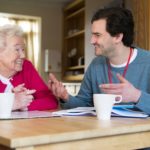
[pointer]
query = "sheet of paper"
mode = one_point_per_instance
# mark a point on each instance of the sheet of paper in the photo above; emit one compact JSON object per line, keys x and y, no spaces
{"x":76,"y":111}
{"x":128,"y":113}
{"x":118,"y":110}
{"x":30,"y":114}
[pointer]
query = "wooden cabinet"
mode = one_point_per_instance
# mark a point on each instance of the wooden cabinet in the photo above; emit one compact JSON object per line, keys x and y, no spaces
{"x":73,"y":41}
{"x":141,"y":13}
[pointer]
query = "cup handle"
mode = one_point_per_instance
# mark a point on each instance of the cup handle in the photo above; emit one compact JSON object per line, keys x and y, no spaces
{"x":120,"y":98}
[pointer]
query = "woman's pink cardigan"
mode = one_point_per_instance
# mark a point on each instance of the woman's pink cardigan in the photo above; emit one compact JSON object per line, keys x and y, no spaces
{"x":43,"y":97}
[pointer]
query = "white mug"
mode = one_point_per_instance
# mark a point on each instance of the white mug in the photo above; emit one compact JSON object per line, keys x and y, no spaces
{"x":6,"y":104}
{"x":103,"y":104}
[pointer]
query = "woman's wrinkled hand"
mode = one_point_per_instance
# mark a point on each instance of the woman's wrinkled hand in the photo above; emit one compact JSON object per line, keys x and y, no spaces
{"x":23,"y":97}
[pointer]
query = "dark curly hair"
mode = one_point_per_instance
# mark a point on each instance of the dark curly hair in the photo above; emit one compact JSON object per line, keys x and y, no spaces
{"x":118,"y":20}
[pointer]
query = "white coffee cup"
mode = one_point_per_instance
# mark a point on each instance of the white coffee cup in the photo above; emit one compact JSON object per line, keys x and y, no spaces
{"x":6,"y":104}
{"x":103,"y":104}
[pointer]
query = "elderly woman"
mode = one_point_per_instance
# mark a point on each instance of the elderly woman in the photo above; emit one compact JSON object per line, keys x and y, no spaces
{"x":18,"y":75}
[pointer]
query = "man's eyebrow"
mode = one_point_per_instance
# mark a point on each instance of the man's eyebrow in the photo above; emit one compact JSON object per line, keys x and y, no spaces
{"x":96,"y":33}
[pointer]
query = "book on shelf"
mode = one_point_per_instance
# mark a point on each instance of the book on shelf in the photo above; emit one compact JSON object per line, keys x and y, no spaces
{"x":117,"y":111}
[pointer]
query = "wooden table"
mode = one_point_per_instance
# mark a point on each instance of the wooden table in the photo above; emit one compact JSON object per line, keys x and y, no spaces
{"x":74,"y":133}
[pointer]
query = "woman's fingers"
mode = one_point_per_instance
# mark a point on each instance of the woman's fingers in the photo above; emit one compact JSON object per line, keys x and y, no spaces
{"x":19,"y":88}
{"x":23,"y":99}
{"x":29,"y":92}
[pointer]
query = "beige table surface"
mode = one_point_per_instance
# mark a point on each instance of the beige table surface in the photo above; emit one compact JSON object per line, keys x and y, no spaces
{"x":74,"y":133}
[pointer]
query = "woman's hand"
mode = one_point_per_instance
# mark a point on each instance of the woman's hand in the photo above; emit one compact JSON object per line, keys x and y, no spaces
{"x":23,"y":97}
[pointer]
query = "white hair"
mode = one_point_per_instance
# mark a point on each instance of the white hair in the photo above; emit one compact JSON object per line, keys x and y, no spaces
{"x":7,"y":31}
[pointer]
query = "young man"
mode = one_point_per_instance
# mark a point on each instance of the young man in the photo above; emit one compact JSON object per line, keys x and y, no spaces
{"x":119,"y":68}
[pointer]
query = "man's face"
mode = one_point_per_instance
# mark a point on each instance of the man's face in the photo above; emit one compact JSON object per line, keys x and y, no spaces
{"x":103,"y":42}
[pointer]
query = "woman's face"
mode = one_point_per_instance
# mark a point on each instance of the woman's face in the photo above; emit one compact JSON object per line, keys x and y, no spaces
{"x":12,"y":56}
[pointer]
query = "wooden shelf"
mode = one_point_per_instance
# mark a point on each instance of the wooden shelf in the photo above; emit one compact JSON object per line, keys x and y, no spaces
{"x":74,"y":77}
{"x":76,"y":13}
{"x":73,"y":38}
{"x":79,"y":33}
{"x":74,"y":4}
{"x":76,"y":67}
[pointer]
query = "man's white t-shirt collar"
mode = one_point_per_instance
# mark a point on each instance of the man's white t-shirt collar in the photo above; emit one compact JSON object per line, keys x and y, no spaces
{"x":131,"y":60}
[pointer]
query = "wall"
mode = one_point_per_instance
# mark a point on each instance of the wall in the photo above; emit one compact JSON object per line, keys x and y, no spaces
{"x":51,"y":14}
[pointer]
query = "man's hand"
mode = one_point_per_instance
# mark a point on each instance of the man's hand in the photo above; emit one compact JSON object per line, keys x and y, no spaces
{"x":23,"y":97}
{"x":124,"y":88}
{"x":57,"y":88}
